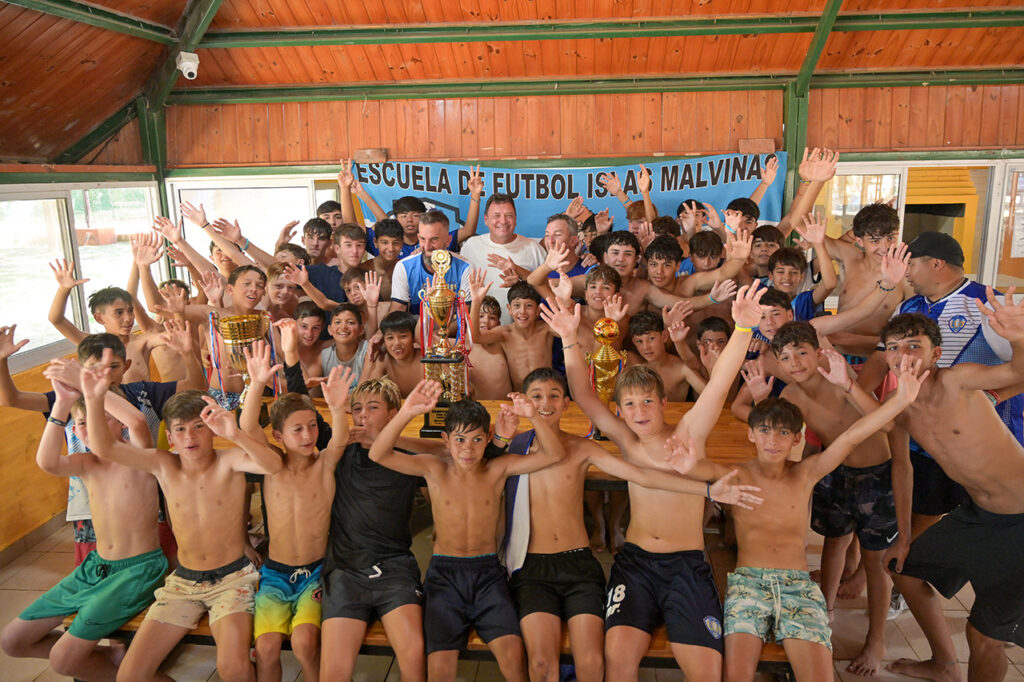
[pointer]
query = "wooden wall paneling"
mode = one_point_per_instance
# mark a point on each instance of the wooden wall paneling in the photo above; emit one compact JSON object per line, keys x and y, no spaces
{"x":918,"y":117}
{"x":1020,"y":117}
{"x":262,"y":139}
{"x":585,"y":126}
{"x":124,"y":148}
{"x":551,"y":116}
{"x":651,"y":141}
{"x":774,"y":116}
{"x":322,"y":142}
{"x":246,"y":131}
{"x":485,"y":128}
{"x":829,"y":119}
{"x":503,"y":126}
{"x":850,"y":119}
{"x":435,"y":128}
{"x":970,"y":134}
{"x":757,"y":114}
{"x":953,"y":126}
{"x":536,"y":127}
{"x":989,"y":132}
{"x":229,"y":133}
{"x":935,"y":124}
{"x":604,"y":121}
{"x":452,"y":139}
{"x":291,"y":120}
{"x":883,"y":102}
{"x":622,"y":123}
{"x":370,"y":113}
{"x":721,"y":124}
{"x":900,"y":117}
{"x":739,"y":118}
{"x":704,"y":118}
{"x":469,"y":120}
{"x":671,"y":118}
{"x":1007,"y":133}
{"x":567,"y":124}
{"x":815,"y":120}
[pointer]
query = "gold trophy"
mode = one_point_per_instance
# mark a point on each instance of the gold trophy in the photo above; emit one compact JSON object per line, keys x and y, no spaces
{"x":605,"y":364}
{"x":444,"y":359}
{"x":239,"y":332}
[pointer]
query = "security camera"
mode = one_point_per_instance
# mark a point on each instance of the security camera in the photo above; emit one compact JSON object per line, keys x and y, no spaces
{"x":188,"y":64}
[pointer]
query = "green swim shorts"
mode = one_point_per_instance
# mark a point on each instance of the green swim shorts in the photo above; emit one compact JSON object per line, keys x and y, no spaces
{"x":761,"y":600}
{"x":105,"y":594}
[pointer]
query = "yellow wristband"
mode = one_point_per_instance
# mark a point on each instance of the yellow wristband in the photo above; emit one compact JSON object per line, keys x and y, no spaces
{"x":743,"y":329}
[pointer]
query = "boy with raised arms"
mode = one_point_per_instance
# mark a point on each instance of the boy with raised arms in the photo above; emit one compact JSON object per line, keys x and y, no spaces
{"x":205,"y":493}
{"x":649,"y":336}
{"x":298,"y":510}
{"x":555,"y":576}
{"x":117,"y":579}
{"x":401,"y":362}
{"x":489,"y":378}
{"x":771,"y":588}
{"x":465,"y":585}
{"x":660,"y":574}
{"x":980,"y":541}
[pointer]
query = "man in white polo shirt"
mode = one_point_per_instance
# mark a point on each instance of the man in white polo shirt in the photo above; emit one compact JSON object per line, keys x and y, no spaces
{"x":501,"y":240}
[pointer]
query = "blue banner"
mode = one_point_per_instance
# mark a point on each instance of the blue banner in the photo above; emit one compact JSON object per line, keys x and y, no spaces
{"x":541,"y":192}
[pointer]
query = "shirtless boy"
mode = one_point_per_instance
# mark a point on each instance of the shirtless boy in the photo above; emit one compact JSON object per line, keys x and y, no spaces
{"x":980,"y":541}
{"x":298,"y":510}
{"x":771,"y":588}
{"x":526,"y":342}
{"x":601,"y":298}
{"x":465,"y":585}
{"x":309,"y":319}
{"x":488,"y":372}
{"x":113,"y":309}
{"x":649,"y":336}
{"x":205,"y":493}
{"x":857,"y":496}
{"x":660,"y":574}
{"x":555,"y":576}
{"x":117,"y":579}
{"x":401,"y":362}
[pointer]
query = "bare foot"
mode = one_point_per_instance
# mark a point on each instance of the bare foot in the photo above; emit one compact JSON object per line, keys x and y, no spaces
{"x":925,"y":670}
{"x":868,"y":661}
{"x":597,"y":540}
{"x":618,"y":539}
{"x":851,"y":587}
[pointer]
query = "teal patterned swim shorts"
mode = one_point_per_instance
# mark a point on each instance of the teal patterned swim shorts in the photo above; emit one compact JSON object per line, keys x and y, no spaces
{"x":762,"y":600}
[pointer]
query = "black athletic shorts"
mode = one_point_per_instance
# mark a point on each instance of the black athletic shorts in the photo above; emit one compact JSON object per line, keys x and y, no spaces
{"x":856,"y":499}
{"x":972,"y":545}
{"x":566,"y":584}
{"x":465,"y":592}
{"x":677,"y":588}
{"x":935,"y":493}
{"x":367,"y":594}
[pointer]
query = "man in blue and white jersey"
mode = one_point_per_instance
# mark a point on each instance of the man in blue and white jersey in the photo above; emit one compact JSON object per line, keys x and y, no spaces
{"x":413,"y":273}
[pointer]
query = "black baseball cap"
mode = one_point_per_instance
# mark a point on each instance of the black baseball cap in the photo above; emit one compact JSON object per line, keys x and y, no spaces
{"x":938,"y":245}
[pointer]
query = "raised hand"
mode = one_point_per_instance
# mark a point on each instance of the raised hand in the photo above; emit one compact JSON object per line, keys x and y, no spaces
{"x":219,"y":420}
{"x":345,"y":176}
{"x":895,"y":262}
{"x":257,"y":362}
{"x":747,"y":309}
{"x":677,"y":331}
{"x":645,"y":235}
{"x":708,"y":356}
{"x":507,"y":422}
{"x":688,"y":219}
{"x":603,"y":220}
{"x":681,"y":456}
{"x":64,"y":272}
{"x":713,"y":219}
{"x":476,"y":183}
{"x":723,"y":291}
{"x":369,"y":288}
{"x":478,"y":284}
{"x":193,"y":214}
{"x":733,"y":218}
{"x":644,"y":181}
{"x":65,"y":394}
{"x":561,"y":287}
{"x":289,"y":330}
{"x":813,"y":230}
{"x":562,"y":319}
{"x":1006,"y":318}
{"x":769,"y":170}
{"x":521,"y":407}
{"x":588,"y":260}
{"x":67,"y":370}
{"x":94,"y":381}
{"x":376,"y":350}
{"x":738,"y":245}
{"x":230,"y":231}
{"x":296,"y":274}
{"x":557,"y":257}
{"x":727,"y":491}
{"x":759,"y":384}
{"x":575,"y":208}
{"x":7,"y":345}
{"x":177,"y":334}
{"x":167,"y":229}
{"x":910,"y":378}
{"x":677,"y":313}
{"x":423,"y":398}
{"x":818,"y":165}
{"x":213,"y":286}
{"x":146,"y":249}
{"x":336,"y":387}
{"x":287,"y":232}
{"x":837,"y":373}
{"x":615,"y":307}
{"x":178,"y":259}
{"x":173,"y":302}
{"x":503,"y":265}
{"x":611,"y":183}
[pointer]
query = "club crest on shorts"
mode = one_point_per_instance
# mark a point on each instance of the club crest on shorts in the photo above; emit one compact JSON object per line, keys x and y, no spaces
{"x":957,"y":323}
{"x":714,"y":626}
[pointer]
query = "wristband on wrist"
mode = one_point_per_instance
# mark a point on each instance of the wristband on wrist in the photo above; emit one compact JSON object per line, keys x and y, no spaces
{"x":502,"y":439}
{"x":713,"y":301}
{"x":850,"y":387}
{"x":570,"y":345}
{"x":243,"y":248}
{"x":708,"y":483}
{"x":743,"y":329}
{"x":58,"y":422}
{"x":205,"y":226}
{"x":884,"y":288}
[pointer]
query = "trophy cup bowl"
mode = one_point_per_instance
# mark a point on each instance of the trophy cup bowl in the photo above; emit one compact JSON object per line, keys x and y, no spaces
{"x":442,"y":362}
{"x":605,"y":364}
{"x":238,"y":333}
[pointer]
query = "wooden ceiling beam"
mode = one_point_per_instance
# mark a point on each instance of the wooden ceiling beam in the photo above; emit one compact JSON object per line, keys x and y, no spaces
{"x":555,"y":30}
{"x":97,"y":136}
{"x":100,"y":17}
{"x":814,"y":50}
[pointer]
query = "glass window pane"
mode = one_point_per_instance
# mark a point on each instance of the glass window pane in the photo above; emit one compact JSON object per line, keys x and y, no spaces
{"x":844,"y":195}
{"x":104,"y":220}
{"x":32,"y":237}
{"x":261,"y":212}
{"x":1010,"y":270}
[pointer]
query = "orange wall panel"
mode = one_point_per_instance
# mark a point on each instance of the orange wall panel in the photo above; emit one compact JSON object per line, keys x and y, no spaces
{"x":124,"y":148}
{"x":568,"y":126}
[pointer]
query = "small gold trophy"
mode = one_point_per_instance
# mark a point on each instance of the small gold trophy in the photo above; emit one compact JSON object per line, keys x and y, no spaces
{"x":238,"y":333}
{"x":444,"y":359}
{"x":605,"y":364}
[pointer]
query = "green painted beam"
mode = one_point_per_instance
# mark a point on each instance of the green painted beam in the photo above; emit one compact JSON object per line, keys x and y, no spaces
{"x":98,"y":16}
{"x":97,"y":136}
{"x":555,"y":30}
{"x":193,"y":25}
{"x":895,"y":79}
{"x":489,"y":88}
{"x":51,"y":178}
{"x":934,"y":155}
{"x":814,"y":50}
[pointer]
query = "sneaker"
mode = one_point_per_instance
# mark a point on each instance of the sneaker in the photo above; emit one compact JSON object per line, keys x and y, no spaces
{"x":897,"y":605}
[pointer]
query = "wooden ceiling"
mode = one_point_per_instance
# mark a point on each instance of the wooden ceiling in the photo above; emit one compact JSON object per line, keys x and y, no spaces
{"x":61,"y":77}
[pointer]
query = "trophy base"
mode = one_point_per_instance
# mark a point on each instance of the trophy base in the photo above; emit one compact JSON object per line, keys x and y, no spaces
{"x":433,"y":421}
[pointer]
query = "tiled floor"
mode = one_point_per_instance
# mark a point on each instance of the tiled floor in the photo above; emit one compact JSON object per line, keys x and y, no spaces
{"x":25,"y":578}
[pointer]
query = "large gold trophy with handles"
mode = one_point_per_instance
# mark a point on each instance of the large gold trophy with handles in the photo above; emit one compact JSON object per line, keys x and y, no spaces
{"x":605,"y":365}
{"x":444,"y":358}
{"x":239,"y":332}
